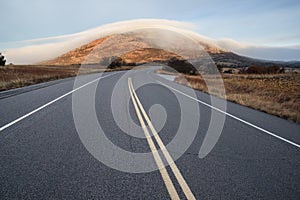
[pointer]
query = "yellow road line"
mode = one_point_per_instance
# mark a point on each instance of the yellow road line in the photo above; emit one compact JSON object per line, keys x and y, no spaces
{"x":165,"y":176}
{"x":184,"y":186}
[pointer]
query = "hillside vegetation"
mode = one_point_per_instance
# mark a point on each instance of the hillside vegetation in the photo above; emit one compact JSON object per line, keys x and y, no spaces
{"x":15,"y":76}
{"x":277,"y":94}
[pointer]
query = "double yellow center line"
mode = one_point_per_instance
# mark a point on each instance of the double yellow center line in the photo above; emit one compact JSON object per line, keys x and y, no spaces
{"x":164,"y":173}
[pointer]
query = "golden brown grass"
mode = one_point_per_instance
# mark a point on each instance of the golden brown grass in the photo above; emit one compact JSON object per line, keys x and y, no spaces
{"x":277,"y":94}
{"x":15,"y":76}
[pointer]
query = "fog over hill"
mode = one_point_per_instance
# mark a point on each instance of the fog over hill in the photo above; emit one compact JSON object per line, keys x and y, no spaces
{"x":139,"y":47}
{"x":74,"y":48}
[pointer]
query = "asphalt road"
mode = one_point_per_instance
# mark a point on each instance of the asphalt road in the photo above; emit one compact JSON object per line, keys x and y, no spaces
{"x":43,"y":155}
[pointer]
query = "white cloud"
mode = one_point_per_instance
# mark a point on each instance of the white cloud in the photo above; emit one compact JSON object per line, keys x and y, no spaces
{"x":284,"y":53}
{"x":42,"y":49}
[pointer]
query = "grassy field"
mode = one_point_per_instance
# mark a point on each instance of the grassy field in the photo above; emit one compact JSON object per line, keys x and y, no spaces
{"x":277,"y":94}
{"x":15,"y":76}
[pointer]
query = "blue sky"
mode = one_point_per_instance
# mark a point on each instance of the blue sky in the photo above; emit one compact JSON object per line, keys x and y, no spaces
{"x":269,"y":23}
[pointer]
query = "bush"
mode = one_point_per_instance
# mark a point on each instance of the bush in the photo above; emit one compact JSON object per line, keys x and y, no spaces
{"x":181,"y":65}
{"x":116,"y":62}
{"x":2,"y":61}
{"x":263,"y":70}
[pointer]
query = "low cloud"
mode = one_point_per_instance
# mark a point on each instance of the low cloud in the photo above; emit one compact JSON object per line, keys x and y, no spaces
{"x":37,"y":50}
{"x":284,"y":53}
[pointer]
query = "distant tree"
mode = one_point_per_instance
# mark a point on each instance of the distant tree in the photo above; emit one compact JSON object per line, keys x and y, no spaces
{"x":272,"y":69}
{"x":255,"y":70}
{"x":282,"y":70}
{"x":116,"y":62}
{"x":181,"y":65}
{"x":2,"y":60}
{"x":131,"y":64}
{"x":228,"y":71}
{"x":263,"y":70}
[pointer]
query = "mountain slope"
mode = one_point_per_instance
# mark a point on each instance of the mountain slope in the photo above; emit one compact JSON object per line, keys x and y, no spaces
{"x":102,"y":49}
{"x":98,"y":50}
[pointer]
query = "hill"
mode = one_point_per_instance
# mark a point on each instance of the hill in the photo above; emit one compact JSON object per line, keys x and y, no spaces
{"x":99,"y":51}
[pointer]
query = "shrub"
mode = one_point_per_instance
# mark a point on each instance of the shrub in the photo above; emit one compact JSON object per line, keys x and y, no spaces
{"x":2,"y":60}
{"x":262,"y":70}
{"x":181,"y":65}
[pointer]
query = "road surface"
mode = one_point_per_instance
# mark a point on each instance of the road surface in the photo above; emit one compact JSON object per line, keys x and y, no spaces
{"x":43,"y":156}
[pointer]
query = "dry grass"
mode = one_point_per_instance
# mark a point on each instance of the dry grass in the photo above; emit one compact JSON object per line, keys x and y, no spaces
{"x":15,"y":76}
{"x":277,"y":94}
